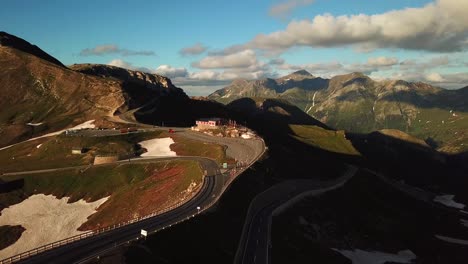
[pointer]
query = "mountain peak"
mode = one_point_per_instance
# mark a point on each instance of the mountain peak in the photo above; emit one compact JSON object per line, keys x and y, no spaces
{"x":8,"y":40}
{"x":302,"y":72}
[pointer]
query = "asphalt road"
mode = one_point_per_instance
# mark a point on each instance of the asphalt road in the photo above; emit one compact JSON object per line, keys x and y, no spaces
{"x":91,"y":247}
{"x":247,"y":151}
{"x":255,"y":241}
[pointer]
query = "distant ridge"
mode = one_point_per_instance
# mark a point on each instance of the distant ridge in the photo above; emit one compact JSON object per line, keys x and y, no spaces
{"x":9,"y":40}
{"x":356,"y":103}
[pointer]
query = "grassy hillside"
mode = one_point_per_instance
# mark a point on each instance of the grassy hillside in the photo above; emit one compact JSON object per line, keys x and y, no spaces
{"x":329,"y":140}
{"x":55,"y":152}
{"x":135,"y":189}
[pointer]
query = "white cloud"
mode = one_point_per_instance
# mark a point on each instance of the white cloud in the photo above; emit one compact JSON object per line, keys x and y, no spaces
{"x":382,"y":61}
{"x":245,"y":58}
{"x":171,"y":72}
{"x":113,"y":49}
{"x":196,"y":49}
{"x":120,"y":63}
{"x":438,"y":26}
{"x":127,"y":65}
{"x":323,"y":69}
{"x":284,"y":9}
{"x":434,"y":77}
{"x":449,"y":81}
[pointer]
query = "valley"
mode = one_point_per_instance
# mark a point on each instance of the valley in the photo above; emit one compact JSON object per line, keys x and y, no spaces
{"x":111,"y":163}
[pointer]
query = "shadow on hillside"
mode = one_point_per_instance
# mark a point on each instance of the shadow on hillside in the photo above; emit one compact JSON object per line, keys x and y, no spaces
{"x":286,"y":158}
{"x":8,"y":186}
{"x":173,"y":110}
{"x":413,"y":163}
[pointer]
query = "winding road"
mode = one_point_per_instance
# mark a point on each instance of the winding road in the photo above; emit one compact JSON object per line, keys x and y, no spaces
{"x":92,"y":247}
{"x":255,"y":242}
{"x":214,"y":184}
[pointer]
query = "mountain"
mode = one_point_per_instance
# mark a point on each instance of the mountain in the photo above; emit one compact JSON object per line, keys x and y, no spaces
{"x":357,"y":103}
{"x":40,"y":94}
{"x":7,"y":40}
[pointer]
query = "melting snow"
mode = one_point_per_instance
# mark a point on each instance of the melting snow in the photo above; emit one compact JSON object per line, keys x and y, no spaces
{"x":87,"y":124}
{"x":46,"y":220}
{"x":158,"y":147}
{"x":34,"y":124}
{"x":447,"y":200}
{"x":375,"y":257}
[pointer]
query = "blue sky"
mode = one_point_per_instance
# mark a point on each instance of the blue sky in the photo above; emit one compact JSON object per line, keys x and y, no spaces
{"x":204,"y":45}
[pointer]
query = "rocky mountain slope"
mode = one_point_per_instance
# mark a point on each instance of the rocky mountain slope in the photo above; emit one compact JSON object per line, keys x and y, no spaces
{"x":40,"y":94}
{"x":357,"y":103}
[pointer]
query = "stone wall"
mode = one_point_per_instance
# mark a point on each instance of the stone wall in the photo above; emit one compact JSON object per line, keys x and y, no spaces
{"x":105,"y":159}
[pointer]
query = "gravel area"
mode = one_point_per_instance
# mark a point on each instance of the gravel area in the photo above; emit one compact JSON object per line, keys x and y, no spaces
{"x":243,"y":150}
{"x":46,"y":220}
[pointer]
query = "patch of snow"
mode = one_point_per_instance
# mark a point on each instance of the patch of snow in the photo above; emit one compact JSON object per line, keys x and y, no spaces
{"x":158,"y":147}
{"x":453,"y":240}
{"x":447,"y":200}
{"x":313,"y":99}
{"x":34,"y":124}
{"x":375,"y":257}
{"x":38,"y":146}
{"x":87,"y":124}
{"x":46,"y":220}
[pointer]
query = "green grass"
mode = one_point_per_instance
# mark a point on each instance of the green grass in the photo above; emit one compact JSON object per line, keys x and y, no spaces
{"x":189,"y":147}
{"x":451,"y":136}
{"x":333,"y":141}
{"x":55,"y":152}
{"x":130,"y":185}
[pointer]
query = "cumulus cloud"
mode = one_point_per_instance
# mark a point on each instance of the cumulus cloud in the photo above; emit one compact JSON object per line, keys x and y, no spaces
{"x":444,"y":80}
{"x":284,"y":9}
{"x":434,"y":77}
{"x":440,"y":26}
{"x":323,"y":69}
{"x":382,"y":61}
{"x":245,"y":58}
{"x":423,"y":65}
{"x":113,"y":49}
{"x":127,"y":65}
{"x":171,"y":72}
{"x":196,"y":49}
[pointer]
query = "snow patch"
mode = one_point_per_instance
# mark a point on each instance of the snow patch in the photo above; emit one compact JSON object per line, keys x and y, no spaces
{"x":34,"y":124}
{"x":447,"y":200}
{"x":453,"y":240}
{"x":87,"y":124}
{"x":158,"y":147}
{"x":375,"y":257}
{"x":46,"y":220}
{"x":38,"y":146}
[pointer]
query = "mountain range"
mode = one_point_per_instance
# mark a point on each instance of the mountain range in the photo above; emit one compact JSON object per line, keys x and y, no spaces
{"x":356,"y":103}
{"x":40,"y":94}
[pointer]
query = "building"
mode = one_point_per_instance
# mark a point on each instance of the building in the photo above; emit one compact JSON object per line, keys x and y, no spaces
{"x":209,"y":123}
